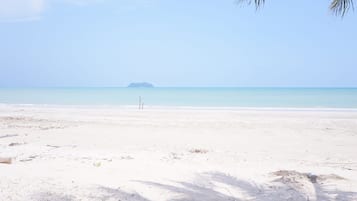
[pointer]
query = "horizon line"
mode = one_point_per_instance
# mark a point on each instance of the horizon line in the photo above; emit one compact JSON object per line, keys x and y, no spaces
{"x":307,"y":87}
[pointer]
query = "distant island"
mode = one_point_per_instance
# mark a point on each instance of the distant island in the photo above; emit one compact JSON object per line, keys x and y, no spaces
{"x":140,"y":84}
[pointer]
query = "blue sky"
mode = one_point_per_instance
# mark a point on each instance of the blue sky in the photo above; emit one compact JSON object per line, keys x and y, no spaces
{"x":53,"y":43}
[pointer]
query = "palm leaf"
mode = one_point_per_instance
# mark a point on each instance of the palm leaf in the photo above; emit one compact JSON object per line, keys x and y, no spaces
{"x":338,"y":7}
{"x":258,"y":3}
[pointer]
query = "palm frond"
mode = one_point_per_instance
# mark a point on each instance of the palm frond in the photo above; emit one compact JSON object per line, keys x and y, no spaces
{"x":258,"y":3}
{"x":340,"y":7}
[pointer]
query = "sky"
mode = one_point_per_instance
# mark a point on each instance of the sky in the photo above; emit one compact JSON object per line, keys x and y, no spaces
{"x":110,"y":43}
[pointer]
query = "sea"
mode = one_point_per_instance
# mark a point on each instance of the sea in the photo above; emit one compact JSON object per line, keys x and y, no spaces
{"x":185,"y":96}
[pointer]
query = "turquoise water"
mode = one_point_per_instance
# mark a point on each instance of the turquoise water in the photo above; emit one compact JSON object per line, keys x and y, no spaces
{"x":206,"y":97}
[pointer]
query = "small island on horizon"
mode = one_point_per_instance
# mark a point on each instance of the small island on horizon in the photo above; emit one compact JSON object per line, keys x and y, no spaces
{"x":140,"y":85}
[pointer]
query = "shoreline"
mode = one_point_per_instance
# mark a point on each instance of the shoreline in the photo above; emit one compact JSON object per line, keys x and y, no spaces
{"x":164,"y":107}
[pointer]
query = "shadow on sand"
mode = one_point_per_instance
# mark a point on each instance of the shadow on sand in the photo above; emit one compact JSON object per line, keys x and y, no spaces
{"x":217,"y":186}
{"x":107,"y":194}
{"x":51,"y":196}
{"x":98,"y":194}
{"x":288,"y":185}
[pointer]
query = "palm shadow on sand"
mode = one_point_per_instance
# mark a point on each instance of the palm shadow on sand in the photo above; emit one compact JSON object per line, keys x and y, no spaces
{"x":288,"y":185}
{"x":117,"y":194}
{"x":217,"y":186}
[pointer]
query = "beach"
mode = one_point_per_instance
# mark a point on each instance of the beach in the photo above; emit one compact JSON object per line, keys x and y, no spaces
{"x":177,"y":153}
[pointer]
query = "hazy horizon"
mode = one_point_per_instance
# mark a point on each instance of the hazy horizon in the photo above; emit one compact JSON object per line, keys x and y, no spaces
{"x":177,"y":86}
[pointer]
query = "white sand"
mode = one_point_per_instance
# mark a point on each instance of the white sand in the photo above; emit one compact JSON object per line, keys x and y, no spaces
{"x":102,"y":153}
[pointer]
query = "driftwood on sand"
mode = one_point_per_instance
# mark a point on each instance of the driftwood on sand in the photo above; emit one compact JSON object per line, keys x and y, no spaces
{"x":5,"y":160}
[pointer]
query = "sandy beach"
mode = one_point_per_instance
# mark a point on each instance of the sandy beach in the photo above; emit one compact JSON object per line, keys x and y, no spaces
{"x":122,"y":153}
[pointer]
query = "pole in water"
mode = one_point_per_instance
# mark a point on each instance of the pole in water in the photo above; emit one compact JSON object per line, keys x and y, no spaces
{"x":139,"y":102}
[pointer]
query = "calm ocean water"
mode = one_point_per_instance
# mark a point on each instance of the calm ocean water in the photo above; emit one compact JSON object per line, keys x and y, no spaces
{"x":206,"y":97}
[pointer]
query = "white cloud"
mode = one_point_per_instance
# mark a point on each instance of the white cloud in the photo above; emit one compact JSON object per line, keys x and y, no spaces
{"x":18,"y":10}
{"x":25,"y":10}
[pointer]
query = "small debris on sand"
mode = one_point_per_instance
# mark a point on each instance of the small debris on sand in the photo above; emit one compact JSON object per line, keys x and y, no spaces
{"x":198,"y":151}
{"x":293,"y":175}
{"x":97,"y":164}
{"x":30,"y":158}
{"x":15,"y":144}
{"x":126,"y":158}
{"x":6,"y":160}
{"x":53,"y":146}
{"x":312,"y":177}
{"x":12,"y":135}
